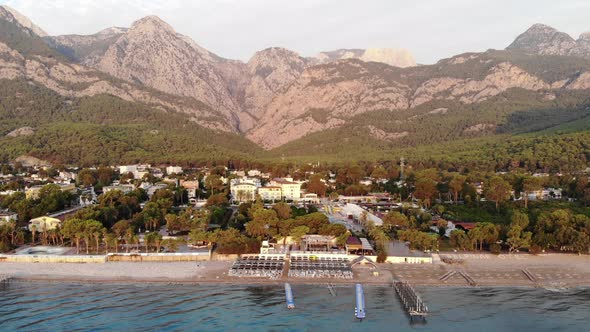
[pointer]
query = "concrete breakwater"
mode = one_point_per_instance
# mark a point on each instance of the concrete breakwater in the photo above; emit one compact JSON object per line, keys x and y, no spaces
{"x":53,"y":259}
{"x":115,"y":257}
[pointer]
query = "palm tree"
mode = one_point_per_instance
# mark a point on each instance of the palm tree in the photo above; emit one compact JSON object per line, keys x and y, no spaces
{"x":44,"y":235}
{"x":12,"y":228}
{"x":105,"y":239}
{"x":111,"y":239}
{"x":146,"y":241}
{"x":33,"y":232}
{"x":116,"y":240}
{"x":86,"y":234}
{"x":97,"y":234}
{"x":136,"y":242}
{"x":128,"y":238}
{"x":158,"y":241}
{"x":74,"y":230}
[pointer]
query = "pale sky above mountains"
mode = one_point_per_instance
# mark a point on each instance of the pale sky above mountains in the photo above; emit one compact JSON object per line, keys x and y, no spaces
{"x":430,"y":29}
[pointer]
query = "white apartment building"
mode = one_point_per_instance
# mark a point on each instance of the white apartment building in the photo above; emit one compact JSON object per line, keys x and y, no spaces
{"x":270,"y":193}
{"x":7,"y":216}
{"x":289,"y":190}
{"x":243,"y":192}
{"x":124,"y":188}
{"x":244,"y":189}
{"x":191,"y":187}
{"x":138,"y":171}
{"x":173,"y":170}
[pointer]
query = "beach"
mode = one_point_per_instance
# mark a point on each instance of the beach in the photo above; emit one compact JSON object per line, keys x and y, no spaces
{"x":550,"y":270}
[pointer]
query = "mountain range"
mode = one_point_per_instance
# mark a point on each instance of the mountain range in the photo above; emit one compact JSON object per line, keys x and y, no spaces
{"x":286,"y":103}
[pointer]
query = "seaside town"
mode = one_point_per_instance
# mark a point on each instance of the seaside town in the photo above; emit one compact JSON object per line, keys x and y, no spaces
{"x":372,"y":223}
{"x":294,"y":165}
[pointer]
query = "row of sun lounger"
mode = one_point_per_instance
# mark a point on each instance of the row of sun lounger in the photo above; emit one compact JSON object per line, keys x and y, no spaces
{"x":315,"y":259}
{"x":320,"y":267}
{"x":258,"y":266}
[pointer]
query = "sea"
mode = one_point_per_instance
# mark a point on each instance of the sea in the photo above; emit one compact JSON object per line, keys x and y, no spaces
{"x":53,"y":306}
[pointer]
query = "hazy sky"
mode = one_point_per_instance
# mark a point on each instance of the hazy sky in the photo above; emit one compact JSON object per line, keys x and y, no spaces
{"x":430,"y":29}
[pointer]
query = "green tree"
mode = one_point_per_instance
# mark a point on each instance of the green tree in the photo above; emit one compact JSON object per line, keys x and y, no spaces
{"x":217,"y":200}
{"x":517,"y":237}
{"x":456,"y":185}
{"x":395,"y":219}
{"x":425,"y":190}
{"x":154,"y":238}
{"x":497,"y":190}
{"x":152,"y":214}
{"x":283,"y":210}
{"x":530,"y":185}
{"x":484,"y":232}
{"x":298,"y":232}
{"x":214,"y":184}
{"x":264,"y":223}
{"x":74,"y":230}
{"x":460,"y":240}
{"x":379,"y":173}
{"x":87,"y":177}
{"x":316,"y":185}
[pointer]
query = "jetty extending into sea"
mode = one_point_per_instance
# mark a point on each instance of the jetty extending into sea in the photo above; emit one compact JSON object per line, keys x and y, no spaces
{"x":359,"y":310}
{"x":410,"y":299}
{"x":289,"y":296}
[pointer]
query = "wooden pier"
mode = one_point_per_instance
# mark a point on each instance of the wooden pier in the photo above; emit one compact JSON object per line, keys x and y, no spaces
{"x":467,"y":277}
{"x":411,"y":301}
{"x":447,"y":275}
{"x":529,"y":275}
{"x":331,"y":289}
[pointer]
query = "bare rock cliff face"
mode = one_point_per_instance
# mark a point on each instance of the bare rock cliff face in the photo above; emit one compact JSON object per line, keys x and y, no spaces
{"x":500,"y":78}
{"x":87,"y":49}
{"x":270,"y":71}
{"x":152,"y":53}
{"x":320,"y":100}
{"x":326,"y":97}
{"x":75,"y":80}
{"x":391,"y":56}
{"x":279,"y":96}
{"x":582,"y":48}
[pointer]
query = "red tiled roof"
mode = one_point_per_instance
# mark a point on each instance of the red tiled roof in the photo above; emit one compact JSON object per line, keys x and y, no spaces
{"x":353,"y":240}
{"x":466,"y":225}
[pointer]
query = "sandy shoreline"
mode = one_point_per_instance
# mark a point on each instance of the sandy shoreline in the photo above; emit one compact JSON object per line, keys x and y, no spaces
{"x":549,"y":271}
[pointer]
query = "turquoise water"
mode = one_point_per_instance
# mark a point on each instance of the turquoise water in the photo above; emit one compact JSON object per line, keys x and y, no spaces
{"x":28,"y":306}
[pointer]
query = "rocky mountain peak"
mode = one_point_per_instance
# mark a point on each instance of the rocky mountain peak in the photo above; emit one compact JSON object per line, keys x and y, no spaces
{"x":22,"y":20}
{"x":267,"y":60}
{"x":111,"y":31}
{"x":543,"y":40}
{"x":151,"y":53}
{"x":270,"y":71}
{"x":585,"y":36}
{"x":151,"y":23}
{"x":541,"y":28}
